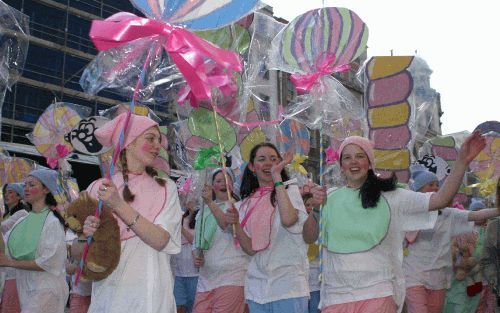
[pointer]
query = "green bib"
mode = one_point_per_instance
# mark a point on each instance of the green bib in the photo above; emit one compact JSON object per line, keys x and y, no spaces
{"x":205,"y":228}
{"x":24,"y":238}
{"x":350,"y":228}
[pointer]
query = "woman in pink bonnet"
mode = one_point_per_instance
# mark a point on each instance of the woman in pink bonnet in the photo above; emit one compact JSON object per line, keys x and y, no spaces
{"x":149,"y":216}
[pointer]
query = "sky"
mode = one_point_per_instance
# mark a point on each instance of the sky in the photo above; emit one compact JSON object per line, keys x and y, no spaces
{"x":459,"y":40}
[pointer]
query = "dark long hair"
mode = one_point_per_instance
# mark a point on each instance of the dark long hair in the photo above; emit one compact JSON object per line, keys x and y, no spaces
{"x":373,"y":186}
{"x":192,"y":220}
{"x":249,"y":182}
{"x":233,"y":195}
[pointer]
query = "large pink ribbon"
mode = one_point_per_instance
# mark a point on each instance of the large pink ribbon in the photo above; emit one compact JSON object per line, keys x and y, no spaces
{"x":186,"y":50}
{"x":324,"y":66}
{"x":216,"y":77}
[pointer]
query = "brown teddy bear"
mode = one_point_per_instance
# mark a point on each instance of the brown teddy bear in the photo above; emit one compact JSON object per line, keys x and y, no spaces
{"x":104,"y":251}
{"x":466,"y":266}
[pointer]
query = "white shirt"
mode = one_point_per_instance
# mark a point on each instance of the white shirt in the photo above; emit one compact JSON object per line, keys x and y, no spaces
{"x":280,"y":271}
{"x":183,"y":263}
{"x":378,"y":272}
{"x":47,"y":290}
{"x":10,"y":272}
{"x":225,"y":264}
{"x":314,"y":283}
{"x":429,"y":260}
{"x":143,"y":281}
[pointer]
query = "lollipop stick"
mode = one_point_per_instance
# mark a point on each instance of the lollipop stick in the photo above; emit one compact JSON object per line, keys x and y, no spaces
{"x":221,"y":148}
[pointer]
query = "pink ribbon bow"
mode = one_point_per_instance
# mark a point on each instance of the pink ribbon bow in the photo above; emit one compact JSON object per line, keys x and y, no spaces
{"x":186,"y":50}
{"x":217,"y":77}
{"x":62,"y":151}
{"x":332,"y":156}
{"x":324,"y":66}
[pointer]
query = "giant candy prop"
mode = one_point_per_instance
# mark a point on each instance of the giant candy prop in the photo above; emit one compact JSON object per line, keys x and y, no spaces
{"x":396,"y":95}
{"x":487,"y":164}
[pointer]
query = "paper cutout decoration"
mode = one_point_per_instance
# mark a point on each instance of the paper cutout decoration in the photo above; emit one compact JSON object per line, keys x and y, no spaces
{"x":83,"y":139}
{"x":196,"y":14}
{"x":487,"y":164}
{"x":50,"y":130}
{"x":333,"y":31}
{"x":436,"y":165}
{"x":293,"y":135}
{"x":439,"y":154}
{"x":389,"y":87}
{"x":14,"y":169}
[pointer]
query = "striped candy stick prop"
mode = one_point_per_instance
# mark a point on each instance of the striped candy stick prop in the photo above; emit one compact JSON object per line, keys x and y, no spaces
{"x":321,"y":236}
{"x":387,"y":93}
{"x":116,"y":153}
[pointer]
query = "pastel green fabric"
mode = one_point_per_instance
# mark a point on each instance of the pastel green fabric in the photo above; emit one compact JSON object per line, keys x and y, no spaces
{"x":24,"y":238}
{"x":350,"y":228}
{"x":206,"y":227}
{"x":457,"y":300}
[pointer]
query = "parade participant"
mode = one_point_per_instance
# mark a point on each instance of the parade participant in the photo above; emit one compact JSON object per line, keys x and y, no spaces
{"x":35,"y":248}
{"x":364,"y":224}
{"x":466,"y":288}
{"x":79,"y":294}
{"x":149,"y":217}
{"x":427,"y":265}
{"x":490,"y":259}
{"x":268,"y":223}
{"x":223,"y":266}
{"x":313,"y":256}
{"x":13,"y":198}
{"x":14,"y":210}
{"x":186,"y":273}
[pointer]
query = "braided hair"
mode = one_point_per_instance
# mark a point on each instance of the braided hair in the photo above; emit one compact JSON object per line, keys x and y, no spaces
{"x":127,"y":193}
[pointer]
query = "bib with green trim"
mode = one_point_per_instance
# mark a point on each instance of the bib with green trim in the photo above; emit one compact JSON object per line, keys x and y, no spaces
{"x":24,"y":238}
{"x":206,"y":227}
{"x":350,"y":228}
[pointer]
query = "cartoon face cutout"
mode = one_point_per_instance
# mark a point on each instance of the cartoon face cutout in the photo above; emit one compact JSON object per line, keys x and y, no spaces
{"x":437,"y":165}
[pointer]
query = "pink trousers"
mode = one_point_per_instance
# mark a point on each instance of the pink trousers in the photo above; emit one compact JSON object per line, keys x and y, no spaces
{"x":10,"y":299}
{"x":79,"y":304}
{"x":422,"y":300}
{"x":225,"y":299}
{"x":487,"y":302}
{"x":377,"y":305}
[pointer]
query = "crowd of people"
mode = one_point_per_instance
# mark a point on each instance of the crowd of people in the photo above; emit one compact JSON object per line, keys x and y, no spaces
{"x":368,"y":246}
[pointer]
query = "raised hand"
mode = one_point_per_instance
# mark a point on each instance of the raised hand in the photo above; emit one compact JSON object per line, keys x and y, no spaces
{"x":471,"y":147}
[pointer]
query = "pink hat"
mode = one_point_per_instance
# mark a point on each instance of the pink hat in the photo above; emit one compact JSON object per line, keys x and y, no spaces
{"x":109,"y":133}
{"x":363,"y":143}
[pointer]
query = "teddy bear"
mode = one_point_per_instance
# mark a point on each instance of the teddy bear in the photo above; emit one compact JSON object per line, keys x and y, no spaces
{"x":466,"y":266}
{"x":104,"y":251}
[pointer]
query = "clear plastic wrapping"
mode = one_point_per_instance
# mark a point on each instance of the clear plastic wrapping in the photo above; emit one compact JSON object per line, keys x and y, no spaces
{"x":14,"y":39}
{"x":312,"y":47}
{"x":142,"y":65}
{"x":486,"y":166}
